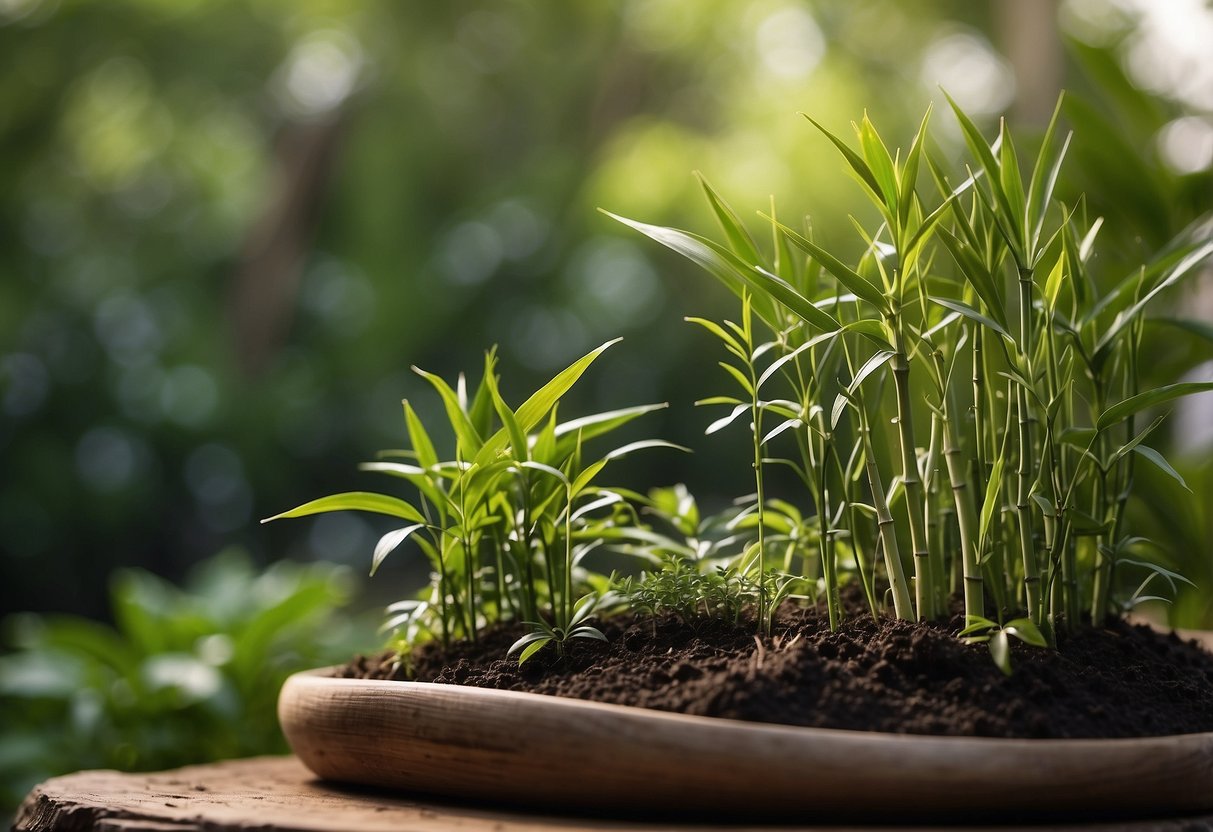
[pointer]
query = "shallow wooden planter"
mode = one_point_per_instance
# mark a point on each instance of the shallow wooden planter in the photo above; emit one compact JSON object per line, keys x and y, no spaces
{"x":545,"y":751}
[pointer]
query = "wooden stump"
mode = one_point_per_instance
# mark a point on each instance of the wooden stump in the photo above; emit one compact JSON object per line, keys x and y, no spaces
{"x":278,"y":793}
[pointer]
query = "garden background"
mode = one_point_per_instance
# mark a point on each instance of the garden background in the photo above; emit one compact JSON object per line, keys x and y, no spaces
{"x":227,"y":229}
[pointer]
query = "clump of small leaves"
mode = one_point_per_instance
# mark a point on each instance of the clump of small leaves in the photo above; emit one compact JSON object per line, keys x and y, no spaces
{"x":507,"y":523}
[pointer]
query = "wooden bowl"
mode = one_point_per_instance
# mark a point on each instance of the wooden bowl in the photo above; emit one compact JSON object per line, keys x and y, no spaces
{"x":545,"y":751}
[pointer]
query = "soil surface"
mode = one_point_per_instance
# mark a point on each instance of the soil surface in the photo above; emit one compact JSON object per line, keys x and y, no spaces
{"x":1120,"y":680}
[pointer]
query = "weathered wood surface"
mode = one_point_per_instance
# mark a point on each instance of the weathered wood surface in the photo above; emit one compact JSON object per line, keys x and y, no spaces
{"x":277,"y":793}
{"x":495,"y":745}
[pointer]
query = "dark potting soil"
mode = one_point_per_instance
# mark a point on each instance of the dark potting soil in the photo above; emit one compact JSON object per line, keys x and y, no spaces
{"x":1121,"y":680}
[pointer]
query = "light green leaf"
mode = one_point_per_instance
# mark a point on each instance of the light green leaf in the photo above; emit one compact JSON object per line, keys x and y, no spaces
{"x":419,"y":438}
{"x":1161,"y":461}
{"x":973,"y":315}
{"x":739,"y":238}
{"x":1124,"y":409}
{"x":849,"y":278}
{"x":1000,"y":651}
{"x":1027,"y":632}
{"x":465,"y":432}
{"x":389,"y":542}
{"x":355,"y":501}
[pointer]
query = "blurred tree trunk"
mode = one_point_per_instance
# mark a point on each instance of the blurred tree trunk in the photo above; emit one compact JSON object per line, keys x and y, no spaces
{"x":1028,"y":36}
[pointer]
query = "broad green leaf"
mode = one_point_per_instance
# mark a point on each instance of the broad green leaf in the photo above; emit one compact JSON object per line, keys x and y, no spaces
{"x":586,"y":631}
{"x":531,"y":412}
{"x":466,"y":435}
{"x":739,"y":238}
{"x":849,"y":278}
{"x":1161,"y":461}
{"x":389,"y":542}
{"x":1000,"y":651}
{"x":355,"y":501}
{"x":1124,"y":409}
{"x":420,"y":478}
{"x":1027,"y":632}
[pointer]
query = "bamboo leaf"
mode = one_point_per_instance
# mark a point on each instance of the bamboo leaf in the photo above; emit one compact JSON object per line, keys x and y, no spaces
{"x":466,"y":435}
{"x":355,"y":501}
{"x":1026,"y":631}
{"x":1044,"y":175}
{"x":739,"y":238}
{"x":1000,"y":651}
{"x":881,"y":164}
{"x":858,"y":165}
{"x":849,"y":278}
{"x":909,"y":173}
{"x":990,"y":505}
{"x":419,"y":438}
{"x":516,"y":434}
{"x":715,"y":259}
{"x":1124,"y":409}
{"x":1161,"y":461}
{"x":1012,"y":183}
{"x":389,"y":542}
{"x":973,"y":315}
{"x":725,"y":421}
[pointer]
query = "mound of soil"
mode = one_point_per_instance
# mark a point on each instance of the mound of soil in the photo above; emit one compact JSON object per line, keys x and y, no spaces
{"x":894,"y":676}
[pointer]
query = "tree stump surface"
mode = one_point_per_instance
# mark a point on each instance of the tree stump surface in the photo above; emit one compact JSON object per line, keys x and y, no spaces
{"x":277,"y":793}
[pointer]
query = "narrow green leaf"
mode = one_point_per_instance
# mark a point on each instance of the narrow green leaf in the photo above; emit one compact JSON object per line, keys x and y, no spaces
{"x":973,"y":315}
{"x":355,"y":501}
{"x":718,"y":261}
{"x":466,"y":435}
{"x":858,"y":165}
{"x":517,"y":435}
{"x":785,"y":293}
{"x":1161,"y":461}
{"x":881,"y":164}
{"x":1124,"y":409}
{"x":725,"y":421}
{"x":849,"y":278}
{"x":985,"y":156}
{"x":1012,"y":183}
{"x":419,"y":438}
{"x":739,"y":238}
{"x":909,"y":173}
{"x":1045,"y":174}
{"x":990,"y":505}
{"x":389,"y":542}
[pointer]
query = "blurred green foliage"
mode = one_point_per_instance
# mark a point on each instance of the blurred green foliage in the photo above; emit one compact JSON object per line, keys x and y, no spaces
{"x":228,"y":228}
{"x":187,"y":675}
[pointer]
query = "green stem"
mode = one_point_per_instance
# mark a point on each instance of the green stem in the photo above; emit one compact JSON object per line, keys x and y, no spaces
{"x":915,"y":499}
